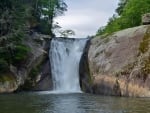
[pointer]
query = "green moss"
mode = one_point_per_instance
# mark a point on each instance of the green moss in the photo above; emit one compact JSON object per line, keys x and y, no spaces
{"x":7,"y":77}
{"x":146,"y":68}
{"x":20,"y":53}
{"x":31,"y":80}
{"x":33,"y":73}
{"x":144,"y":45}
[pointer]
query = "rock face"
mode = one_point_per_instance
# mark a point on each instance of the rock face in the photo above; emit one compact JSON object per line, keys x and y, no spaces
{"x":146,"y":19}
{"x":85,"y":78}
{"x":44,"y":80}
{"x":31,"y":75}
{"x":8,"y":83}
{"x":38,"y":69}
{"x":120,"y":63}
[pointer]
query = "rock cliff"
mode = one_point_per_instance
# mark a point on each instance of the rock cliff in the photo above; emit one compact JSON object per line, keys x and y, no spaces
{"x":119,"y":63}
{"x":34,"y":72}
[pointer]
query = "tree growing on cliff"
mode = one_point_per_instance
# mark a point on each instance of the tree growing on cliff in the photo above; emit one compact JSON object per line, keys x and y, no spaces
{"x":46,"y":11}
{"x":17,"y":17}
{"x":67,"y":33}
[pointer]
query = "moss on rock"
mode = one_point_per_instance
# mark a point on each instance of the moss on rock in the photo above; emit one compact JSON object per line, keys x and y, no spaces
{"x":6,"y":77}
{"x":144,"y":45}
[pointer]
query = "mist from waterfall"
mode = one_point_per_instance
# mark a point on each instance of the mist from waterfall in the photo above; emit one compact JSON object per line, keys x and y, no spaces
{"x":65,"y":55}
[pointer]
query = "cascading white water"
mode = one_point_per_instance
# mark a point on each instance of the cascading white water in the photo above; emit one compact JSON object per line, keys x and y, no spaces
{"x":65,"y":54}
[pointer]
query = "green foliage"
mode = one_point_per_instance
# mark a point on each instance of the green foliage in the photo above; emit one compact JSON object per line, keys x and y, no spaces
{"x":34,"y":72}
{"x":7,"y":77}
{"x":67,"y":33}
{"x":3,"y":66}
{"x":31,"y":80}
{"x":20,"y":54}
{"x":17,"y":17}
{"x":121,"y":6}
{"x":144,"y":47}
{"x":128,"y":15}
{"x":45,"y":11}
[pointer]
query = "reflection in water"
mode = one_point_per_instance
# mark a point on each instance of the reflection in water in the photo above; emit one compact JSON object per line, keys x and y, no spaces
{"x":66,"y":104}
{"x":71,"y":103}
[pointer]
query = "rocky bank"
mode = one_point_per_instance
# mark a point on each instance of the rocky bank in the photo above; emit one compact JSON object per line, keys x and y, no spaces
{"x":119,"y":63}
{"x":34,"y":73}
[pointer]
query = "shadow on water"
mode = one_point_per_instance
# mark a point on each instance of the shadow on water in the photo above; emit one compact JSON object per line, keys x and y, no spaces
{"x":71,"y":103}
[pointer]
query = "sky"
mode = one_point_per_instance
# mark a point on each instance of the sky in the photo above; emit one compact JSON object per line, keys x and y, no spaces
{"x":86,"y":16}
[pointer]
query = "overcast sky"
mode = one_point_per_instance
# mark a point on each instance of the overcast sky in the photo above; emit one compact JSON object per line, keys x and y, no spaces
{"x":86,"y":16}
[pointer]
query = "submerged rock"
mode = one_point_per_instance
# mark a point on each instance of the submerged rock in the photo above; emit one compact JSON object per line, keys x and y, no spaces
{"x":119,"y":62}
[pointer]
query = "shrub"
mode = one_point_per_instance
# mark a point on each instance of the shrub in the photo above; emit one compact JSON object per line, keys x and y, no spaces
{"x":20,"y":54}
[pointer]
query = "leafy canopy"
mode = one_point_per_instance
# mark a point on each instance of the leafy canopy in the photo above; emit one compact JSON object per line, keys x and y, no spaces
{"x":128,"y":14}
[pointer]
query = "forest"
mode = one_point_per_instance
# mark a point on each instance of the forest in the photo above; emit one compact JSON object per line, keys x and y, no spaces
{"x":43,"y":70}
{"x":18,"y":19}
{"x":128,"y":14}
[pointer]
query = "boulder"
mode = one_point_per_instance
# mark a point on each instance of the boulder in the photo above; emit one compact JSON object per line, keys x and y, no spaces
{"x":38,"y":75}
{"x":8,"y":83}
{"x":146,"y":19}
{"x":119,"y":62}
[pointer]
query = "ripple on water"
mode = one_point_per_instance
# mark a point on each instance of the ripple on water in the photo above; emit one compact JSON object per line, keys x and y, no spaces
{"x":46,"y":102}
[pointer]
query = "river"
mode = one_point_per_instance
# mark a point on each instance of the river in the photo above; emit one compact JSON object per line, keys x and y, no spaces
{"x":44,"y":102}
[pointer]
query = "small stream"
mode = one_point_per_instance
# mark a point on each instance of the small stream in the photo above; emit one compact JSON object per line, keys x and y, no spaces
{"x":44,"y":102}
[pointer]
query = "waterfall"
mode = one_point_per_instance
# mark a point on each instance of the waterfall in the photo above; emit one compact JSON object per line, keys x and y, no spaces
{"x":65,"y":54}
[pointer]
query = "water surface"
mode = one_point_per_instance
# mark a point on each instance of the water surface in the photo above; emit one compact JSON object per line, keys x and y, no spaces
{"x":71,"y":103}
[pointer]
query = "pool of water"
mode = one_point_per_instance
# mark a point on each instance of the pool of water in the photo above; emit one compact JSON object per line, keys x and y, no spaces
{"x":43,"y":102}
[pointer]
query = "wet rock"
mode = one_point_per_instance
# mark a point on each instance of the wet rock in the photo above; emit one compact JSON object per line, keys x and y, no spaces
{"x":44,"y":80}
{"x":84,"y":72}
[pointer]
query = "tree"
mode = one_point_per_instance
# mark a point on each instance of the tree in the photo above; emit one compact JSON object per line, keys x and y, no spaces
{"x":133,"y":11}
{"x":45,"y":12}
{"x":17,"y":17}
{"x":121,"y":6}
{"x":129,"y":14}
{"x":66,"y":33}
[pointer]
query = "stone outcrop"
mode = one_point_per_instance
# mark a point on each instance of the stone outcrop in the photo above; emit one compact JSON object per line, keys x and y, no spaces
{"x":38,"y":69}
{"x":30,"y":75}
{"x":8,"y":83}
{"x":120,"y":63}
{"x":43,"y":81}
{"x":85,"y":78}
{"x":146,"y":19}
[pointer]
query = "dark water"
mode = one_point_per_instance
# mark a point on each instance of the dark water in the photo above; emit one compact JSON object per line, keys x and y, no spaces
{"x":71,"y":103}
